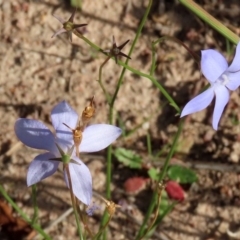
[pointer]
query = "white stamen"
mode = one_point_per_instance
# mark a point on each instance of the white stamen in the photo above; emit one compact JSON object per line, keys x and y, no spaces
{"x":225,"y":79}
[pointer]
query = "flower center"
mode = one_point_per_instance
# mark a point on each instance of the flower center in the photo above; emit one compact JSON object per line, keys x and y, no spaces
{"x":223,"y":80}
{"x":68,"y":26}
{"x":116,"y":51}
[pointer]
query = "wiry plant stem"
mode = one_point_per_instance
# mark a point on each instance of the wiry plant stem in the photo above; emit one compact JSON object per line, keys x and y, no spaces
{"x":100,"y":81}
{"x":66,"y":167}
{"x":159,"y":198}
{"x":35,"y":206}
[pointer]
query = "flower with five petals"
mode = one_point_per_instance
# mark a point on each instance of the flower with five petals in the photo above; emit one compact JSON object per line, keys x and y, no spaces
{"x":35,"y":134}
{"x":222,"y":78}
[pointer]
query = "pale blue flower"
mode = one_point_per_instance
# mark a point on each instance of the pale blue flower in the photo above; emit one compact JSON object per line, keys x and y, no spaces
{"x":222,"y":79}
{"x":35,"y":134}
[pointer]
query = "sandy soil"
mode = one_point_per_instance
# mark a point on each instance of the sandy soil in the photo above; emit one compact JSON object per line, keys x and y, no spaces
{"x":37,"y":72}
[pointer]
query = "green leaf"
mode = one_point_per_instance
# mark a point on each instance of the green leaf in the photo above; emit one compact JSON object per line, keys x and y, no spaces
{"x":181,"y":174}
{"x":153,"y":174}
{"x":128,"y":158}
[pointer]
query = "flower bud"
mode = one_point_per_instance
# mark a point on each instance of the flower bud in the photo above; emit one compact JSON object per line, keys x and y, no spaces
{"x":88,"y":112}
{"x":111,"y":207}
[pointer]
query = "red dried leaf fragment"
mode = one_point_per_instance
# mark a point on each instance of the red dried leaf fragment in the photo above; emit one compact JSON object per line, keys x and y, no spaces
{"x":135,"y":184}
{"x":175,"y":191}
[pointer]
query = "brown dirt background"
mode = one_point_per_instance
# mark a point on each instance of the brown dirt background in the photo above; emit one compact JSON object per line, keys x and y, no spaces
{"x":37,"y":72}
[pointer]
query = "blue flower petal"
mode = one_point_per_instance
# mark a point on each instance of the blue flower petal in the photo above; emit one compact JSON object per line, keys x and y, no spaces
{"x":198,"y":103}
{"x":60,"y":31}
{"x":81,"y":181}
{"x":61,"y":20}
{"x":213,"y":65}
{"x":222,"y":98}
{"x":41,"y":167}
{"x":63,"y":113}
{"x":34,"y":134}
{"x":235,"y":65}
{"x":99,"y":136}
{"x":234,"y":80}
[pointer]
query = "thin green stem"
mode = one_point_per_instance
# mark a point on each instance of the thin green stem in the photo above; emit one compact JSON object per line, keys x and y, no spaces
{"x":100,"y":81}
{"x":23,"y":215}
{"x":153,"y":64}
{"x":66,"y":167}
{"x":159,"y":190}
{"x":137,"y":127}
{"x":82,"y":215}
{"x":213,"y":22}
{"x":108,"y":190}
{"x":161,"y":177}
{"x":139,"y":30}
{"x":35,"y":206}
{"x":111,"y":110}
{"x":160,"y":218}
{"x":195,"y":56}
{"x":160,"y":152}
{"x":102,"y":228}
{"x":156,"y":83}
{"x":109,"y":171}
{"x":171,"y":152}
{"x":149,"y":145}
{"x":94,"y":46}
{"x":133,"y":70}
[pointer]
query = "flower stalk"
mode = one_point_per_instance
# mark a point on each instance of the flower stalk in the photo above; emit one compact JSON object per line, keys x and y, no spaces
{"x":74,"y":204}
{"x":100,"y":81}
{"x":159,"y":189}
{"x":209,"y":19}
{"x":110,"y":209}
{"x":35,"y":206}
{"x":161,"y":177}
{"x":83,"y":217}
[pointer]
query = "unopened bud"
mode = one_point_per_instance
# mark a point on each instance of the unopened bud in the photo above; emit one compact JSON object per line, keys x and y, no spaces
{"x":68,"y":26}
{"x":111,"y":207}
